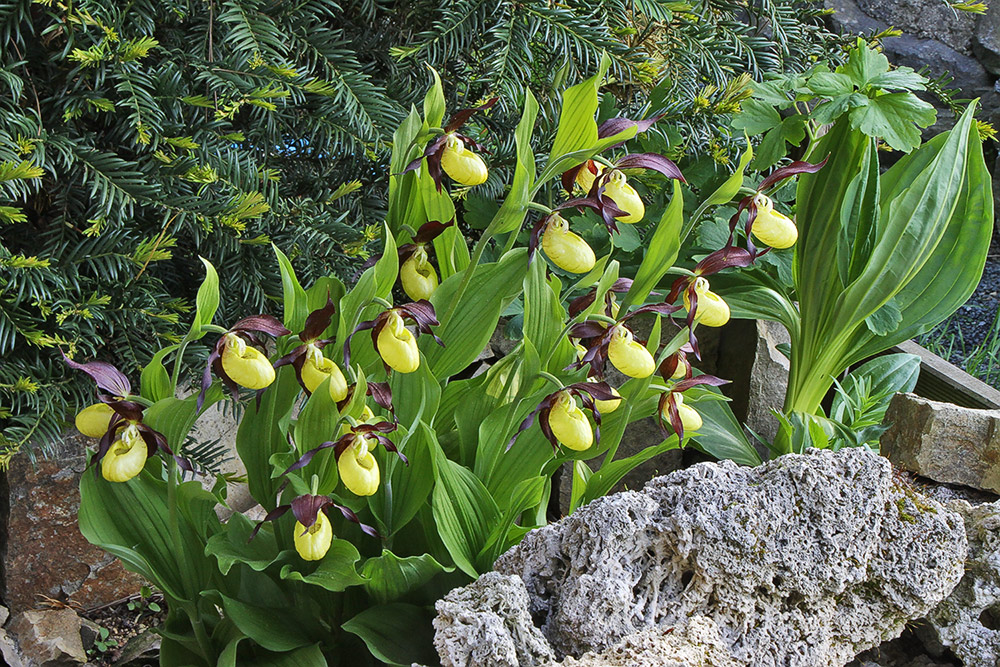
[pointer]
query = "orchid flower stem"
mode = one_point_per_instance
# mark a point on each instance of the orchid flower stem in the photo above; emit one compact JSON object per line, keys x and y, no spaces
{"x":511,"y":240}
{"x":551,"y":378}
{"x":477,"y":254}
{"x":409,"y":230}
{"x":215,"y":328}
{"x":314,"y":485}
{"x":139,"y":399}
{"x":602,"y":318}
{"x":693,"y":220}
{"x":541,"y":208}
{"x":382,"y":302}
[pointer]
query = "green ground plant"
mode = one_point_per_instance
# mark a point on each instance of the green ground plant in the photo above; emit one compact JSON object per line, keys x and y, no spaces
{"x":136,"y":137}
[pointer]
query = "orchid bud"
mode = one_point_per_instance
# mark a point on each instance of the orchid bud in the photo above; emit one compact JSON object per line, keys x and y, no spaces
{"x":585,"y":177}
{"x":246,"y":365}
{"x":397,"y":346}
{"x":713,"y":311}
{"x":317,"y":368}
{"x":126,"y":457}
{"x":464,"y":166}
{"x":566,"y":250}
{"x":418,"y":276}
{"x":93,"y":421}
{"x":628,"y":356}
{"x":569,"y":425}
{"x":313,"y":542}
{"x":625,"y":197}
{"x":358,"y":468}
{"x":689,"y":416}
{"x":772,"y":228}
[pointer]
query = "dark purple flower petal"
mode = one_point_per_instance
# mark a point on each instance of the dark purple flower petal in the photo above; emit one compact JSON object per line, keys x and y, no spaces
{"x":305,"y":508}
{"x":107,"y":377}
{"x":376,"y":325}
{"x":599,"y":390}
{"x":710,"y":380}
{"x":431,"y":230}
{"x":653,"y":161}
{"x":267,"y":324}
{"x":308,"y":456}
{"x":353,"y":518}
{"x":613,"y":126}
{"x":724,"y":258}
{"x":585,"y":330}
{"x":795,"y":168}
{"x":318,"y":321}
{"x":274,"y":514}
{"x":460,"y":117}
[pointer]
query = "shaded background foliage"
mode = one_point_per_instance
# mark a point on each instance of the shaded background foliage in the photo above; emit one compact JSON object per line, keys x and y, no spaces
{"x":134,"y":137}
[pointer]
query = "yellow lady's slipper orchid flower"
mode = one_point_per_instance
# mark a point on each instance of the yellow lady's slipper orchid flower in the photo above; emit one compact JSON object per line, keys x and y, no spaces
{"x":689,"y":416}
{"x":771,"y":227}
{"x":317,"y":368}
{"x":463,"y":165}
{"x":418,"y":276}
{"x":585,"y":177}
{"x":569,"y":425}
{"x":566,"y":250}
{"x":93,"y":420}
{"x":313,"y":542}
{"x":713,"y":311}
{"x":126,"y":457}
{"x":397,"y":346}
{"x":246,"y":365}
{"x":625,"y":197}
{"x":358,"y":468}
{"x":629,"y":356}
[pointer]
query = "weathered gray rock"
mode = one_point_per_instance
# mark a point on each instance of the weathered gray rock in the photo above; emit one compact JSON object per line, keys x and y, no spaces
{"x":944,"y":442}
{"x":986,"y":39}
{"x":697,"y":644}
{"x":768,"y":380}
{"x":806,"y":560}
{"x":8,"y":651}
{"x":487,"y":624}
{"x":49,"y":637}
{"x":4,"y":614}
{"x":968,"y":620}
{"x":925,"y":19}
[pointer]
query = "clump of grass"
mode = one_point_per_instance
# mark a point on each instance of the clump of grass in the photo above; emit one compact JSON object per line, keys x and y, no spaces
{"x":981,"y":361}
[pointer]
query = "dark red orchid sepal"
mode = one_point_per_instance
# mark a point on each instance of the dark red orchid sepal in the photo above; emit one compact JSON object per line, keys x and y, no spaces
{"x":581,"y":303}
{"x":677,"y":360}
{"x":111,"y":382}
{"x":306,"y":508}
{"x":617,"y":125}
{"x":435,"y":148}
{"x":587,"y":392}
{"x":247,"y":329}
{"x":427,"y":233}
{"x":316,"y":323}
{"x":380,"y":392}
{"x":420,"y":312}
{"x":667,"y":401}
{"x":340,"y":445}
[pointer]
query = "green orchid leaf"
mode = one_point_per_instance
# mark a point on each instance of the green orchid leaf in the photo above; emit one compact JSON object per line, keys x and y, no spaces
{"x":389,"y":577}
{"x":397,"y":634}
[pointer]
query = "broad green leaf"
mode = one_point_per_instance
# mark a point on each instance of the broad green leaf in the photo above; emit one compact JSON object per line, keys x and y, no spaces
{"x":317,"y":423}
{"x":402,"y":187}
{"x":612,"y":472}
{"x":581,"y":476}
{"x":886,"y":319}
{"x":397,"y":634}
{"x":731,"y":187}
{"x":434,"y":102}
{"x":387,"y":266}
{"x":207,"y":301}
{"x":887,"y":374}
{"x":526,"y":495}
{"x":896,"y":118}
{"x":260,"y":435}
{"x":404,"y":488}
{"x":830,"y":84}
{"x":130,"y":520}
{"x":662,"y":248}
{"x":451,"y":251}
{"x":274,"y":629}
{"x":791,"y":131}
{"x":544,"y":316}
{"x":512,"y":211}
{"x":233,"y":545}
{"x":721,"y":435}
{"x":174,"y":417}
{"x":155,"y":382}
{"x":475,"y":317}
{"x":756,"y":117}
{"x":336,"y":572}
{"x":577,"y":127}
{"x":295,"y":307}
{"x":307,"y":656}
{"x":389,"y":577}
{"x":438,"y":204}
{"x":463,"y":509}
